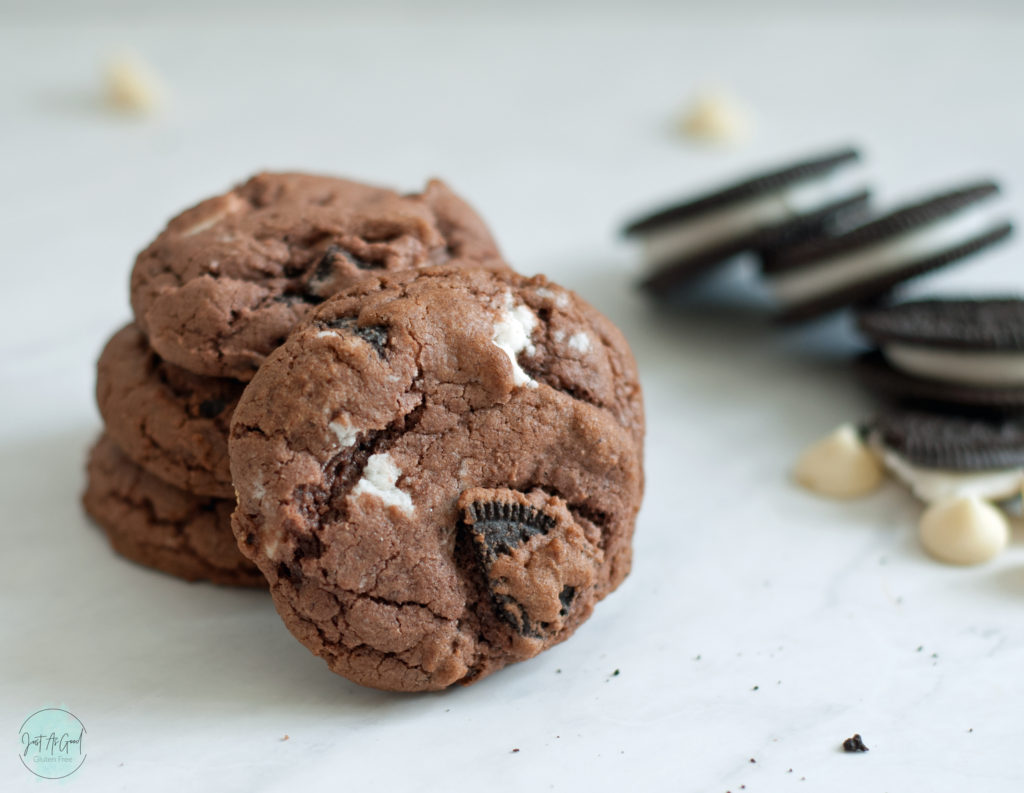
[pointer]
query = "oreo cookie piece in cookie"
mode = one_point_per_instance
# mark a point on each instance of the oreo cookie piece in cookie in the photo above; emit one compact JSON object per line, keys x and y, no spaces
{"x":439,"y":473}
{"x":160,"y":526}
{"x":227,"y":280}
{"x":955,"y":352}
{"x":688,"y":239}
{"x":828,"y":273}
{"x":943,"y":456}
{"x":169,"y":421}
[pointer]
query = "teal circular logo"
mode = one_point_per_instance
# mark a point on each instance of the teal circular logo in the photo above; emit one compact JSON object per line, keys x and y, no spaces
{"x":52,"y":743}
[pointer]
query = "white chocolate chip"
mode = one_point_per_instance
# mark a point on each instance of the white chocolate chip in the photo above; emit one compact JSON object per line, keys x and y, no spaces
{"x":717,"y":117}
{"x":579,"y":341}
{"x":963,"y":531}
{"x":131,"y":85}
{"x":380,"y":479}
{"x":512,"y":335}
{"x":839,"y":465}
{"x":344,"y":432}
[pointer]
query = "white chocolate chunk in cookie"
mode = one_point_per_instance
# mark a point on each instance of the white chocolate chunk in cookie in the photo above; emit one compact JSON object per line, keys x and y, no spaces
{"x":512,"y":336}
{"x":379,"y":479}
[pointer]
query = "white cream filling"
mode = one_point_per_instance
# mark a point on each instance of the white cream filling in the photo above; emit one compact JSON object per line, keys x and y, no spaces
{"x":932,"y":485}
{"x":835,"y":272}
{"x":379,"y":479}
{"x":512,"y":336}
{"x":970,"y":367}
{"x":675,"y":240}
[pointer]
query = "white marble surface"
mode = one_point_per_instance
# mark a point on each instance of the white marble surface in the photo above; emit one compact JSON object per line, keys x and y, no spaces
{"x":759,"y":623}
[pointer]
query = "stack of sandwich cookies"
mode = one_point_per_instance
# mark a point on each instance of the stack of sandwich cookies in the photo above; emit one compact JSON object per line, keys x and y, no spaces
{"x":214,"y":293}
{"x":956,"y":354}
{"x":805,"y":199}
{"x":866,"y":262}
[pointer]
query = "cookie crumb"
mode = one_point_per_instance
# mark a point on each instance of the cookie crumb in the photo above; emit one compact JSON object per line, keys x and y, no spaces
{"x":756,"y":688}
{"x":753,"y":760}
{"x":286,"y":737}
{"x":131,"y":85}
{"x":715,"y":116}
{"x":854,"y":744}
{"x":514,"y":751}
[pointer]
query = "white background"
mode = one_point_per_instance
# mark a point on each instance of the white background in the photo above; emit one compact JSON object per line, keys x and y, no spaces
{"x":759,"y":621}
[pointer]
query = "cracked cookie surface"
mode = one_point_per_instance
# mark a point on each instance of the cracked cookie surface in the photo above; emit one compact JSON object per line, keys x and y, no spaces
{"x":167,"y":420}
{"x":439,"y":473}
{"x":226,"y":281}
{"x":160,"y":526}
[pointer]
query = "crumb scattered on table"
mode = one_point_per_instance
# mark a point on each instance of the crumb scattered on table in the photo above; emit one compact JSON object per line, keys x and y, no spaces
{"x":854,"y":744}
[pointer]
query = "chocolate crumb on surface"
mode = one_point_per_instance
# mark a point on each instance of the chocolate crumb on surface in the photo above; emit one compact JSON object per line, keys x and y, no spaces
{"x":854,"y":744}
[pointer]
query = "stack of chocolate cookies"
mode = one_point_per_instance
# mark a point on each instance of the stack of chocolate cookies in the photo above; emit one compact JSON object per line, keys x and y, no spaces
{"x":345,"y":394}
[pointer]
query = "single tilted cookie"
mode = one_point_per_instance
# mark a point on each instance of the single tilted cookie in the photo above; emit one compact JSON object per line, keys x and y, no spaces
{"x":226,"y":281}
{"x":439,"y":473}
{"x":821,"y":275}
{"x":784,"y":205}
{"x":167,"y":420}
{"x":160,"y":526}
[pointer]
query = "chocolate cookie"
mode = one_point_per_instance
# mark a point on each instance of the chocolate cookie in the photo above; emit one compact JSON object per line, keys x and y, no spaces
{"x":439,"y":473}
{"x":866,"y":262}
{"x":227,"y":280}
{"x":169,"y":421}
{"x":160,"y":526}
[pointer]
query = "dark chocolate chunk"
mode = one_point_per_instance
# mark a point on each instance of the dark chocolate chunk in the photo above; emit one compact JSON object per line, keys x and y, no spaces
{"x":211,"y":408}
{"x":854,"y":744}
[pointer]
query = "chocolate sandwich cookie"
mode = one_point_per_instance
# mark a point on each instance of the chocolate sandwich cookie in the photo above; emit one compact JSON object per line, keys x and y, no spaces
{"x":226,"y":281}
{"x":439,"y":473}
{"x":825,"y":274}
{"x":942,"y":456}
{"x":956,"y":352}
{"x":157,"y":525}
{"x":688,"y":239}
{"x":169,"y":421}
